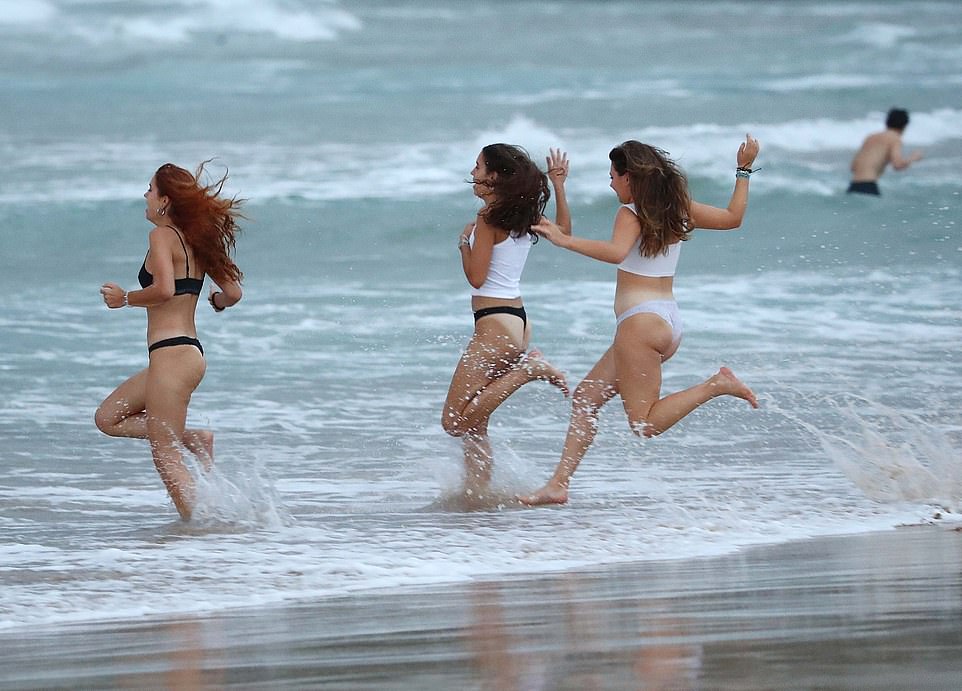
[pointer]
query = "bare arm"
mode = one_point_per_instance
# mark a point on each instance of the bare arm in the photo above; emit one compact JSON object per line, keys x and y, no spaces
{"x":898,"y":161}
{"x":161,"y":255}
{"x":558,"y":174}
{"x":230,"y":294}
{"x":475,"y":261}
{"x":623,"y":237}
{"x":714,"y":218}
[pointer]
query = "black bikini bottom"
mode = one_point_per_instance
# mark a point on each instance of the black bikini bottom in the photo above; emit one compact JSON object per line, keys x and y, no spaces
{"x":513,"y":311}
{"x":175,"y":341}
{"x":866,"y":187}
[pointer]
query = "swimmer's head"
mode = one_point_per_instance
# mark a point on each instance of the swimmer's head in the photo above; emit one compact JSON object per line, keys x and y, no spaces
{"x":897,"y":119}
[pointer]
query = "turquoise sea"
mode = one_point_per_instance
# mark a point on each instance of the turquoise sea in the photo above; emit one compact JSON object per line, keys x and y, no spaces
{"x":351,"y":128}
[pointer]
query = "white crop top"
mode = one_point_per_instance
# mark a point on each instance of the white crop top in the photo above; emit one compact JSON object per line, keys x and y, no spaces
{"x":663,"y":264}
{"x":507,"y":263}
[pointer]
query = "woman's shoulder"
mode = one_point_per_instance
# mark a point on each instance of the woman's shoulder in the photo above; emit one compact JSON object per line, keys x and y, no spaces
{"x":163,"y":236}
{"x":484,"y":228}
{"x":160,"y":233}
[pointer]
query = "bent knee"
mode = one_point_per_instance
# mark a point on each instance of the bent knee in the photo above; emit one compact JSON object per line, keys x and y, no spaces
{"x":451,"y":423}
{"x":587,"y":399}
{"x":105,"y":423}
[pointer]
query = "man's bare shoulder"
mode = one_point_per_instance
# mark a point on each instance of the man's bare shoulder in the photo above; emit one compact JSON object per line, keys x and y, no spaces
{"x":883,"y":138}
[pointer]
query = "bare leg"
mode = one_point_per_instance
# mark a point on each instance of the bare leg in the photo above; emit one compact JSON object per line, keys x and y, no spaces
{"x":642,"y":343}
{"x":631,"y":367}
{"x":670,"y":409}
{"x":487,"y":357}
{"x":598,"y":387}
{"x":532,"y":367}
{"x":478,"y":465}
{"x":122,"y":415}
{"x":173,"y":375}
{"x":200,"y":442}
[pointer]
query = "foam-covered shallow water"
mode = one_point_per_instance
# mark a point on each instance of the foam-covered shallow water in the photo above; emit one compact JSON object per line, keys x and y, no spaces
{"x":352,"y":139}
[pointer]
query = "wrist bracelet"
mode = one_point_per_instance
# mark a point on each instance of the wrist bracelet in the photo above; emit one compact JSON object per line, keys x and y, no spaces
{"x":213,"y":302}
{"x":742,"y":174}
{"x":463,"y":242}
{"x":125,"y":299}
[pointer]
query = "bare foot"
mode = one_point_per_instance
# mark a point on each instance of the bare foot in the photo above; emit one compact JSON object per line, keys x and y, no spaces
{"x":539,"y":368}
{"x":549,"y":494}
{"x":200,"y":442}
{"x":726,"y":382}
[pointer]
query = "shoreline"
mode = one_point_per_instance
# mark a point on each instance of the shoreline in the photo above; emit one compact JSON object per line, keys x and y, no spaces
{"x":872,"y":610}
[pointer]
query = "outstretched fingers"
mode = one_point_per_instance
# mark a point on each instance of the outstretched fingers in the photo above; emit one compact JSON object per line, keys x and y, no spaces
{"x":557,"y":161}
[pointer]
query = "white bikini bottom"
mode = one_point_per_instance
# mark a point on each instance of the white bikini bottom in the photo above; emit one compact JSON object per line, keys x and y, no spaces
{"x":666,"y":309}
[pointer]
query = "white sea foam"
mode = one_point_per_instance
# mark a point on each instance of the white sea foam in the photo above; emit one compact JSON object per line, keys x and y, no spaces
{"x":141,"y":23}
{"x":363,"y":469}
{"x":662,"y":88}
{"x":339,"y":171}
{"x":891,"y":455}
{"x":23,"y":13}
{"x":826,"y":82}
{"x":879,"y":34}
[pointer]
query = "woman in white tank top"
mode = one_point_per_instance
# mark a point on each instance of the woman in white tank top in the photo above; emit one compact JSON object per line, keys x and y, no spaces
{"x":657,"y":214}
{"x":493,"y":251}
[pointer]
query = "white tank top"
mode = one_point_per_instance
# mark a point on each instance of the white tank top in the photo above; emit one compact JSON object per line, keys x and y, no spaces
{"x":663,"y":264}
{"x":507,"y":263}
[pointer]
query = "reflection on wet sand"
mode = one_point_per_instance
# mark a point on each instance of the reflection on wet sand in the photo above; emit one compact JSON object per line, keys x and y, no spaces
{"x":584,"y":647}
{"x":855,"y":612}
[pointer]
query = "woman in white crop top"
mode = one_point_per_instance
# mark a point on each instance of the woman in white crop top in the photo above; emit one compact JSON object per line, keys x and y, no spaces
{"x":493,"y":251}
{"x":656,"y":216}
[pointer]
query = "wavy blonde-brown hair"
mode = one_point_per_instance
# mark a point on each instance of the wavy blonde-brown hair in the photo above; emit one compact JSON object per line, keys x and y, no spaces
{"x":207,"y":220}
{"x":660,"y":194}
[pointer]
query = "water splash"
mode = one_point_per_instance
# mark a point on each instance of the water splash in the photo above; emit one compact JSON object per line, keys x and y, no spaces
{"x":235,"y":495}
{"x":511,"y":476}
{"x":891,"y":455}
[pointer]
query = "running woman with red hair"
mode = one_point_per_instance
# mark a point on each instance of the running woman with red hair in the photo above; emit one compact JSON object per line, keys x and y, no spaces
{"x":194,"y":235}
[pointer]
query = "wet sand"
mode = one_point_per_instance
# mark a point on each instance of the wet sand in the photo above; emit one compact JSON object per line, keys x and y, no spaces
{"x":876,"y":611}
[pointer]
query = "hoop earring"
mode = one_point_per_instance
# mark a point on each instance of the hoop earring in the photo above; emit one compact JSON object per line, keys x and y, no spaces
{"x":163,"y":211}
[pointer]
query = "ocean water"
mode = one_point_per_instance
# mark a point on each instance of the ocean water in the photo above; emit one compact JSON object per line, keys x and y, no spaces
{"x":351,"y":129}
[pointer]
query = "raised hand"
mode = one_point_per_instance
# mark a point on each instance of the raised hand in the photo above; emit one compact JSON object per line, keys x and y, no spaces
{"x":557,"y":166}
{"x":747,"y":152}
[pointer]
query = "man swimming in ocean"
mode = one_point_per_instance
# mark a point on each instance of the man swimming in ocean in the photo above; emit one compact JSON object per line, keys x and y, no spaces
{"x":878,"y":150}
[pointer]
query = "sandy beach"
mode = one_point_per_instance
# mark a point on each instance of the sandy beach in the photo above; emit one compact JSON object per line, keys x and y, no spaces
{"x":873,"y":611}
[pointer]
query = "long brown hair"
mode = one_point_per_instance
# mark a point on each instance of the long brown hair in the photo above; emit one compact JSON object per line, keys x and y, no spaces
{"x":660,"y":194}
{"x":206,"y":219}
{"x":520,"y":190}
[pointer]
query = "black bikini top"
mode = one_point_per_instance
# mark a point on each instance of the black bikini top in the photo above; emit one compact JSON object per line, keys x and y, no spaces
{"x":182,"y":286}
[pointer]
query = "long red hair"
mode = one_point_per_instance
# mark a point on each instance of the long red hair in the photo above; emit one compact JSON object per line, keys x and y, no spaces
{"x":207,"y":220}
